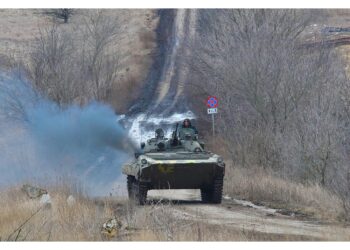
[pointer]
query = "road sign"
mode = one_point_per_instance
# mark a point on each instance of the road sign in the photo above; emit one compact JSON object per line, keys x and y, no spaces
{"x":212,"y":111}
{"x":212,"y":102}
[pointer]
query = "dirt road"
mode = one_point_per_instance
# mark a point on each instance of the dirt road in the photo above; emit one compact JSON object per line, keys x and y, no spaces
{"x":243,"y":215}
{"x":175,"y":76}
{"x":168,"y":96}
{"x":163,"y":102}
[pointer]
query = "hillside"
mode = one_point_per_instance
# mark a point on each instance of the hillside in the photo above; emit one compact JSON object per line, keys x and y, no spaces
{"x":281,"y":77}
{"x":134,"y":44}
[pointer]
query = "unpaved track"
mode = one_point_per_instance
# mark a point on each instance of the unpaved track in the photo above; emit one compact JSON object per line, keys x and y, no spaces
{"x":173,"y":76}
{"x":259,"y":219}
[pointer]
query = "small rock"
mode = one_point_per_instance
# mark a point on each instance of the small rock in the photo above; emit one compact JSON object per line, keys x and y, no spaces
{"x":111,"y":227}
{"x":226,"y":197}
{"x":45,"y":200}
{"x":33,"y":192}
{"x":70,"y":200}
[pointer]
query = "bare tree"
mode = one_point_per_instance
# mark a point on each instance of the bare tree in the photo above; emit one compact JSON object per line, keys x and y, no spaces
{"x":99,"y":62}
{"x":16,"y":97}
{"x":281,"y":106}
{"x":53,"y":62}
{"x":70,"y":66}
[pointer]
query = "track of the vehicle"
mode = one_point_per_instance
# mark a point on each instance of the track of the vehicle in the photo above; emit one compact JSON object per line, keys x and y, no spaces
{"x":329,"y":43}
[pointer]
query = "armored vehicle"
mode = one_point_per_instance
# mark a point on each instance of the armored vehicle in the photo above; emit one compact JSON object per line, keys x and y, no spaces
{"x":175,"y":163}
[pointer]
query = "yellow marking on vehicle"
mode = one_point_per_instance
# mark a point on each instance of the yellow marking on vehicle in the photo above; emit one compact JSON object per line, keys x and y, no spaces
{"x":166,"y":169}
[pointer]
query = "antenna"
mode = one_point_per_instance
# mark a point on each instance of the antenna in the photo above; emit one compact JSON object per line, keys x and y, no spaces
{"x":140,"y":133}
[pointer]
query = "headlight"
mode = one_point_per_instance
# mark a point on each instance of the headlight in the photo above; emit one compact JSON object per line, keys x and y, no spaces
{"x":197,"y":150}
{"x":144,"y":161}
{"x":220,"y":160}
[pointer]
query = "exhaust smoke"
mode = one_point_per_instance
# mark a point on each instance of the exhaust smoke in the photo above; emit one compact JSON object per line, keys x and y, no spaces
{"x":41,"y":142}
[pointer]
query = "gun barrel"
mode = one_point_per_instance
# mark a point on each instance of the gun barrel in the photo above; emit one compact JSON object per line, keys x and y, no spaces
{"x":174,"y":137}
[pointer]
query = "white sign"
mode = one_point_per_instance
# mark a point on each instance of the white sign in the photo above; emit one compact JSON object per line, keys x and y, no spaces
{"x":212,"y":111}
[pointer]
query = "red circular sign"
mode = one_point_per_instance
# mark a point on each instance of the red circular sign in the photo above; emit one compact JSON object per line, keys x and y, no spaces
{"x":212,"y":102}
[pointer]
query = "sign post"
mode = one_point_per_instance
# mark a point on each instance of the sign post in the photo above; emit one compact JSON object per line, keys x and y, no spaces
{"x":212,"y":120}
{"x":212,"y":103}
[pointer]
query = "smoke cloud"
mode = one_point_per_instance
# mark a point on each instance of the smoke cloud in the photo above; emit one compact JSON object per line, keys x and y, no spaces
{"x":41,"y":141}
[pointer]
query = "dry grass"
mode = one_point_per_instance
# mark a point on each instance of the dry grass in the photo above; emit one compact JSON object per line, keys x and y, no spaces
{"x":24,"y":219}
{"x":59,"y":222}
{"x":258,"y":186}
{"x":83,"y":220}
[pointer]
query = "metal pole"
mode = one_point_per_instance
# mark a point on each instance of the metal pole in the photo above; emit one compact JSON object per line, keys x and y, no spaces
{"x":212,"y":118}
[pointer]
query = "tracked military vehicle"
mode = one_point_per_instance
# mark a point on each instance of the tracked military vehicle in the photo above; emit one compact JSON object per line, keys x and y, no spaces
{"x":175,"y":163}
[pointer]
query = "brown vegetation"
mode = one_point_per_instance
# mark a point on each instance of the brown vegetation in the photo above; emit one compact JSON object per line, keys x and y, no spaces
{"x":257,"y":185}
{"x":282,"y":108}
{"x":130,"y":51}
{"x":24,"y":219}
